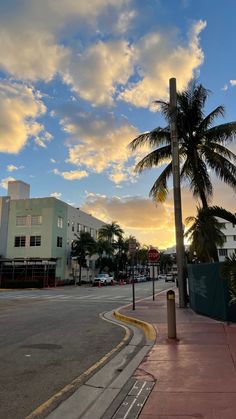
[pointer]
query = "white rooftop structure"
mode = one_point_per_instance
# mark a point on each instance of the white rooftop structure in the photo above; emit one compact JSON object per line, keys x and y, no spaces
{"x":17,"y":189}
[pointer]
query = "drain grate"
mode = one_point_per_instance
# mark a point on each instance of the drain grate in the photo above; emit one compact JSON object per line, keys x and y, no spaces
{"x":134,"y":401}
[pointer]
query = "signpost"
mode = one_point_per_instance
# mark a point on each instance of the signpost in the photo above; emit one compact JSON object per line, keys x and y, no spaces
{"x":153,"y":257}
{"x":132,"y":251}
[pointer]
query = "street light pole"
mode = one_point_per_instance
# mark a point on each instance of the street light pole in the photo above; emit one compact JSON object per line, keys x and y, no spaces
{"x":180,"y":258}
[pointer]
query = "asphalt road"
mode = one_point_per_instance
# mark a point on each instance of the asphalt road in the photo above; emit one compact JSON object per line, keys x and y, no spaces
{"x":49,"y":337}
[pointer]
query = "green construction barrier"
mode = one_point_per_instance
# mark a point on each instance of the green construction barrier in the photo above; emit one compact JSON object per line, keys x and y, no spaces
{"x":209,"y":293}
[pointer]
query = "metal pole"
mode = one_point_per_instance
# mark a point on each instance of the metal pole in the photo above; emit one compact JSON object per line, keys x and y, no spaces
{"x":171,"y":316}
{"x":177,"y":195}
{"x":153,"y":282}
{"x":133,"y":286}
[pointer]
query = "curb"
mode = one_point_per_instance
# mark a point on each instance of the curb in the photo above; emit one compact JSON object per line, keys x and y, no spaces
{"x":149,"y":330}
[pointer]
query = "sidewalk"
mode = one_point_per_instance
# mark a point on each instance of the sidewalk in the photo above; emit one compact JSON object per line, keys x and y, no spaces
{"x":194,"y":376}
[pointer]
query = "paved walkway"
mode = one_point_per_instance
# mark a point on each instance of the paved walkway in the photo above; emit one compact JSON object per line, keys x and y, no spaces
{"x":195,"y":376}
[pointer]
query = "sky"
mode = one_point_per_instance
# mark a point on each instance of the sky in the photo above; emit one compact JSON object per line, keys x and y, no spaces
{"x":77,"y":83}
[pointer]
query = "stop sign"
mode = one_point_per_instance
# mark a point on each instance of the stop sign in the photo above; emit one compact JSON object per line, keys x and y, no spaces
{"x":153,"y":255}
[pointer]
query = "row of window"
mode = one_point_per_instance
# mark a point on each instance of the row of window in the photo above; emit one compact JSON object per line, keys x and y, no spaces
{"x":34,"y":220}
{"x":21,"y":241}
{"x":29,"y":220}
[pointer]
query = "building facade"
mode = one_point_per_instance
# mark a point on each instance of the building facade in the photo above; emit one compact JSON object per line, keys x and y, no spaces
{"x":44,"y":228}
{"x":229,"y":247}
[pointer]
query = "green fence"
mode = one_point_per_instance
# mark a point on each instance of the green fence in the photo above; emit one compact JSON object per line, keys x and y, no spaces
{"x":208,"y":292}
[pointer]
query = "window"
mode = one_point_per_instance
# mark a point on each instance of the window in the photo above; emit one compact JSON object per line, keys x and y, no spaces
{"x":21,"y":220}
{"x":19,"y":241}
{"x":36,"y":220}
{"x":223,"y":252}
{"x":234,"y":238}
{"x":233,"y":225}
{"x":35,"y":240}
{"x":68,"y":223}
{"x":60,"y":222}
{"x":59,"y":241}
{"x":72,"y":226}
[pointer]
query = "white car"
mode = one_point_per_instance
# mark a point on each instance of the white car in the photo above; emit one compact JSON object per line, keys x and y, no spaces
{"x":162,"y":276}
{"x":104,"y":279}
{"x":170,"y":277}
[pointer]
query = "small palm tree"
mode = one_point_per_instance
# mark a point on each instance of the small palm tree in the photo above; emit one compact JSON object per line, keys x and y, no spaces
{"x":110,"y":231}
{"x":205,"y":232}
{"x":201,"y":146}
{"x":83,"y":246}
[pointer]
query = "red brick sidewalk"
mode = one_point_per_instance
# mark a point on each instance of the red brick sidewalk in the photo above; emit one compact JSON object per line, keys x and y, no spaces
{"x":195,"y":376}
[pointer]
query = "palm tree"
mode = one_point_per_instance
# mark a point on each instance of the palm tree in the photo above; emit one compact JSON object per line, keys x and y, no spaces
{"x":201,"y":146}
{"x":205,"y":232}
{"x":83,"y":246}
{"x":110,"y":231}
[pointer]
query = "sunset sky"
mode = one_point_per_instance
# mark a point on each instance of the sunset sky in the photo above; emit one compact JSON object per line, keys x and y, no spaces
{"x":78,"y":78}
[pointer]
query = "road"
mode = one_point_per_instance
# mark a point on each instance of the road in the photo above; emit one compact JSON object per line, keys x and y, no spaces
{"x":49,"y":337}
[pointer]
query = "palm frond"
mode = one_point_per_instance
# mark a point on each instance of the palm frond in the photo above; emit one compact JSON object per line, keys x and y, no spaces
{"x":159,"y":190}
{"x":208,"y":120}
{"x":155,"y":158}
{"x":154,"y":138}
{"x":223,"y":168}
{"x":218,"y":148}
{"x":222,"y":133}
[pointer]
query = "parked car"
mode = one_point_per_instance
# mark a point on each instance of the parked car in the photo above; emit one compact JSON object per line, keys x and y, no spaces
{"x":170,"y":277}
{"x":162,"y":276}
{"x":103,"y":279}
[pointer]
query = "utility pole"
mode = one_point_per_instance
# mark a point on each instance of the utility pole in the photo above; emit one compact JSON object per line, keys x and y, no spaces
{"x":180,"y":256}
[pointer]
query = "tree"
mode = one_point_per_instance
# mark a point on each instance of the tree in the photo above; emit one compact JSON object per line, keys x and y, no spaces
{"x":83,"y":246}
{"x":201,"y":146}
{"x":205,"y":232}
{"x":110,"y":231}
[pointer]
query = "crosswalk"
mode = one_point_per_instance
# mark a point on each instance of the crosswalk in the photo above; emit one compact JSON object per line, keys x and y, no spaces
{"x":64,"y":297}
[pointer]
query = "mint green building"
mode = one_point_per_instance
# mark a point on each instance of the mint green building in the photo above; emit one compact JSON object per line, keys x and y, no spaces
{"x":44,"y":228}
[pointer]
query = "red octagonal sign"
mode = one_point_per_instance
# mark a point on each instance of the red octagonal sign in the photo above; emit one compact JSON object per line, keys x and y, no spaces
{"x":153,"y":255}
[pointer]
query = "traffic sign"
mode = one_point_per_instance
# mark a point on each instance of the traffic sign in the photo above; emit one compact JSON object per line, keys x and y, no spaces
{"x":132,"y":246}
{"x":153,"y":255}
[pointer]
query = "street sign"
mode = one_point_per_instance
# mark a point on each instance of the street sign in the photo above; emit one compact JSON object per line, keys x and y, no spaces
{"x":132,"y":246}
{"x":153,"y":255}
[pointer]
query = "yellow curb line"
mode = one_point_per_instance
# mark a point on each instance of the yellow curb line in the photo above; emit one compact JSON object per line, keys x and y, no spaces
{"x":148,"y":329}
{"x":70,"y":388}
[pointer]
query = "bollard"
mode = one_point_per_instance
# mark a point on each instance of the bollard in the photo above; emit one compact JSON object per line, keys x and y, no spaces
{"x":171,"y":318}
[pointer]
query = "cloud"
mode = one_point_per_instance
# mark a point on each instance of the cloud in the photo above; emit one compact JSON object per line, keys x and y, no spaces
{"x":233,"y":82}
{"x":96,"y":72}
{"x":138,"y":216}
{"x":72,"y":174}
{"x":98,"y":142}
{"x":158,"y":58}
{"x":225,"y":87}
{"x":12,"y":167}
{"x":30,"y":55}
{"x":20,"y":106}
{"x":4,"y":182}
{"x":32,"y":34}
{"x":56,"y":195}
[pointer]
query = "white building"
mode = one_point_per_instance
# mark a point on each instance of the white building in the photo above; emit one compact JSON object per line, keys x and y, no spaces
{"x":229,"y":246}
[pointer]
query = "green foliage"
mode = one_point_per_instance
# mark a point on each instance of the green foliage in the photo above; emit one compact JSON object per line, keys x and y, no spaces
{"x":83,"y":246}
{"x":201,"y":146}
{"x":228,"y":272}
{"x":205,"y":232}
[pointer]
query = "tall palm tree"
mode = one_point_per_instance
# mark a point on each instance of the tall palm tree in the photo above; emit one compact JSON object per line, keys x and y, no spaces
{"x":206,"y":233}
{"x":110,"y":231}
{"x":201,"y":146}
